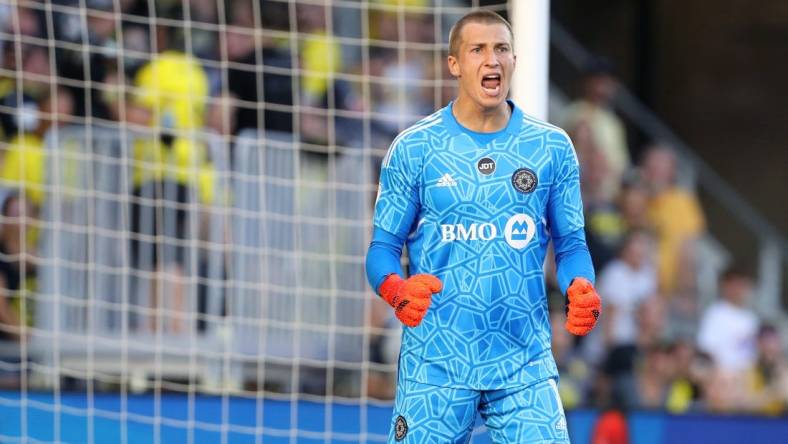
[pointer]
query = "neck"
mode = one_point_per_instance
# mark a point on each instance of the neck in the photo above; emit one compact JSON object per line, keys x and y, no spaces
{"x":479,"y":119}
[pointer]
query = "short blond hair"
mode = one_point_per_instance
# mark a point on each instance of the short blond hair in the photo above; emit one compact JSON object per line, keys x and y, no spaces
{"x":479,"y":16}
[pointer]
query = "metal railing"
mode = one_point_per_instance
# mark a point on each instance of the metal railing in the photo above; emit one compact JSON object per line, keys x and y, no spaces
{"x":272,"y":267}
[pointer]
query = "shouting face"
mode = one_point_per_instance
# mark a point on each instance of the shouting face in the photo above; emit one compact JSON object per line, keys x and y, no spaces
{"x":483,"y":64}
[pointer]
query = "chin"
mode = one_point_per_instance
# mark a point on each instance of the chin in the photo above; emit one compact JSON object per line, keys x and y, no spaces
{"x":488,"y":102}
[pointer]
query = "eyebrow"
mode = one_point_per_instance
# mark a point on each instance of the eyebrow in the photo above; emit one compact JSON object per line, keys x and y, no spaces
{"x":487,"y":44}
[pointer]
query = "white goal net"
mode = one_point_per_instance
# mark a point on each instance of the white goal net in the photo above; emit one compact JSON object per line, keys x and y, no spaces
{"x":186,"y":191}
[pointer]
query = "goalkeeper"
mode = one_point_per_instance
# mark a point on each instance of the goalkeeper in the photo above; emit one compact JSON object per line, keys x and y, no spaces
{"x":477,"y":190}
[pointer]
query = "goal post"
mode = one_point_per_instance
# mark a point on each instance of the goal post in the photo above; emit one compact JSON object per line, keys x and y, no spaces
{"x":531,"y":84}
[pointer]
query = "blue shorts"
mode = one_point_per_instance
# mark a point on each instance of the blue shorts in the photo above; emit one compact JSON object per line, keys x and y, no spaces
{"x":426,"y":413}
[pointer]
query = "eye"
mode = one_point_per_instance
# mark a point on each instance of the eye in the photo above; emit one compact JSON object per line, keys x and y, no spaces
{"x":476,"y":50}
{"x":503,"y":49}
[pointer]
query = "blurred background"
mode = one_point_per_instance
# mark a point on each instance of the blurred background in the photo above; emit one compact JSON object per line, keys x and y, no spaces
{"x":187,"y":186}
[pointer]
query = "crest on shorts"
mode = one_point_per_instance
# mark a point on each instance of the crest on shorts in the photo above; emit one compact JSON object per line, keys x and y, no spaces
{"x":400,"y":428}
{"x":524,"y":180}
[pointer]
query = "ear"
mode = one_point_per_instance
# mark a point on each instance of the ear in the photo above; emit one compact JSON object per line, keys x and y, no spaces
{"x":454,"y":66}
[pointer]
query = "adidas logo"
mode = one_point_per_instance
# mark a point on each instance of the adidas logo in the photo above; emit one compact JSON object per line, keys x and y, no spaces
{"x":447,"y":181}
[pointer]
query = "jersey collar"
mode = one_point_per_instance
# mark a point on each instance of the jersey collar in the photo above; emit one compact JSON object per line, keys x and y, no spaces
{"x":512,"y":127}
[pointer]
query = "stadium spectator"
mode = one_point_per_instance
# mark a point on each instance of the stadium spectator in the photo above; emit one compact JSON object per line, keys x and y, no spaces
{"x":573,"y":370}
{"x":269,"y":107}
{"x":21,"y":20}
{"x":728,"y":329}
{"x":171,"y":174}
{"x":16,"y":264}
{"x":20,"y":110}
{"x":725,"y":392}
{"x":685,"y":388}
{"x":594,"y":108}
{"x":87,"y":71}
{"x":633,"y":204}
{"x":199,"y":40}
{"x":651,"y":321}
{"x":19,"y":24}
{"x":592,"y":163}
{"x":23,"y":160}
{"x":603,"y":224}
{"x":321,"y":55}
{"x":654,"y":371}
{"x":768,"y":379}
{"x":320,"y":59}
{"x":676,"y":236}
{"x":397,"y":98}
{"x":626,"y":283}
{"x":682,"y":319}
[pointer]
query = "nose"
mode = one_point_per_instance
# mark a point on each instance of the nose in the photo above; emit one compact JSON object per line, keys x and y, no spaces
{"x":492,"y":59}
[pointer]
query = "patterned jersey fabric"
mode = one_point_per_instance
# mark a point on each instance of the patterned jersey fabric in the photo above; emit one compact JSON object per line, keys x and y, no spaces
{"x":477,"y":211}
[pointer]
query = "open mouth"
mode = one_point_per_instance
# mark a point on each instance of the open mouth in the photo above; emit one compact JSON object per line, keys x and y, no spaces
{"x":491,"y":84}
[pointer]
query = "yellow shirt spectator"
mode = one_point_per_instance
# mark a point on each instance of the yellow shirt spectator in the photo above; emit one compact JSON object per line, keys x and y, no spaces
{"x":321,"y":57}
{"x":184,"y":162}
{"x":175,"y":87}
{"x":609,"y":136}
{"x":23,"y":166}
{"x":676,"y":218}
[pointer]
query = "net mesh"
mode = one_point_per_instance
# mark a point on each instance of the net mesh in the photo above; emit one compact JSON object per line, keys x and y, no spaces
{"x":187,"y":192}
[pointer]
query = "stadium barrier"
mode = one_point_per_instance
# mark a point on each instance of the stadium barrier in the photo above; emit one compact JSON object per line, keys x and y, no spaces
{"x":273,"y":267}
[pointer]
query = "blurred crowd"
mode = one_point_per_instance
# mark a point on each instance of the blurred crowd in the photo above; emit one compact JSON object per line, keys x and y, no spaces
{"x":657,"y":346}
{"x":205,"y":68}
{"x":179,"y":74}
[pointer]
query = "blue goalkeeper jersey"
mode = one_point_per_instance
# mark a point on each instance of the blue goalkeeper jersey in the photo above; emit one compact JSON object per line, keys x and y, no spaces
{"x":477,"y":210}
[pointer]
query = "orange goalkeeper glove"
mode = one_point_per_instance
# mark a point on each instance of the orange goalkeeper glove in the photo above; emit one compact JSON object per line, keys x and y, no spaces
{"x":410,"y":297}
{"x":584,"y":307}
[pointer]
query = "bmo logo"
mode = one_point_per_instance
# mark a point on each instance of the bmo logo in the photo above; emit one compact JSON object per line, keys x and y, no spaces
{"x":519,"y":231}
{"x":453,"y":232}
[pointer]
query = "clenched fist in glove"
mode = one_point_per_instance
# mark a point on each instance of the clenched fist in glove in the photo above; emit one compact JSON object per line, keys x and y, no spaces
{"x":584,"y":307}
{"x":410,"y":297}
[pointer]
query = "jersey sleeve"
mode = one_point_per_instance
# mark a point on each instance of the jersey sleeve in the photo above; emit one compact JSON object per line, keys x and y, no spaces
{"x":383,"y":257}
{"x":397,"y":203}
{"x":564,"y":205}
{"x":572,"y":259}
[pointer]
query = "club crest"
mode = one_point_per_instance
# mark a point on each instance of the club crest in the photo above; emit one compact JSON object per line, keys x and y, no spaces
{"x":524,"y":180}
